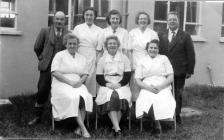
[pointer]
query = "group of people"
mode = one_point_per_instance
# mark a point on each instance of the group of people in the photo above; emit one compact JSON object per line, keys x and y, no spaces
{"x":112,"y":67}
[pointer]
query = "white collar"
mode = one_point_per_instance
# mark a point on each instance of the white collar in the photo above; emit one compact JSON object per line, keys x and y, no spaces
{"x":175,"y":31}
{"x":110,"y":58}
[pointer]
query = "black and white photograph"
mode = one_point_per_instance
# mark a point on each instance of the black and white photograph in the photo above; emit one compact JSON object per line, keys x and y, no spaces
{"x":112,"y":69}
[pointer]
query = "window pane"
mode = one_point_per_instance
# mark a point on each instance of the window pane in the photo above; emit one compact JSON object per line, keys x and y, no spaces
{"x":191,"y":29}
{"x":222,"y":13}
{"x":101,"y":23}
{"x":52,"y":7}
{"x":192,"y":12}
{"x":62,"y":5}
{"x":101,"y":6}
{"x":179,"y":8}
{"x":7,"y":5}
{"x":7,"y":21}
{"x":222,"y":32}
{"x":160,"y":27}
{"x":78,"y":19}
{"x":160,"y":10}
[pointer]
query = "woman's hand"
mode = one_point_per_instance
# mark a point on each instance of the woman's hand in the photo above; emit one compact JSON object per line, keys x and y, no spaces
{"x":76,"y":84}
{"x":113,"y":86}
{"x":152,"y":89}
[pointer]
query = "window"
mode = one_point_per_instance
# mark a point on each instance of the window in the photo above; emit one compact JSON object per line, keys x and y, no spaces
{"x":73,"y":10}
{"x":222,"y":27}
{"x":8,"y":14}
{"x":189,"y":15}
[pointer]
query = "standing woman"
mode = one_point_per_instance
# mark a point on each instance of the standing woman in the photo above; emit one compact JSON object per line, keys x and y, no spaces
{"x":138,"y":37}
{"x":88,"y":33}
{"x":114,"y":20}
{"x":113,"y":76}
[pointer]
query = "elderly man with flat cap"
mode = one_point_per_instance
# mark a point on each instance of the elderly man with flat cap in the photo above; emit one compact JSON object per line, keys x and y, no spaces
{"x":48,"y":43}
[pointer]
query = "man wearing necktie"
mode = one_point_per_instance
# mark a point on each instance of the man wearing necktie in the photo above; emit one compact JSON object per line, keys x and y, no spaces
{"x":48,"y":43}
{"x":177,"y":45}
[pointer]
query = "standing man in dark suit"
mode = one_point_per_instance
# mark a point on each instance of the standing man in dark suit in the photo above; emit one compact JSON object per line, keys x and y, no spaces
{"x":48,"y":43}
{"x":177,"y":45}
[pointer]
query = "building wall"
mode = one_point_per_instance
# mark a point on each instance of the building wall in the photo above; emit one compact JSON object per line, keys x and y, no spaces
{"x":19,"y":73}
{"x":209,"y":53}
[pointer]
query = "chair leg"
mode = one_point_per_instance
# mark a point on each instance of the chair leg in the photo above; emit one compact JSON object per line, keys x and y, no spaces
{"x":87,"y":120}
{"x":52,"y":123}
{"x":141,"y":124}
{"x":96,"y":123}
{"x":129,"y":120}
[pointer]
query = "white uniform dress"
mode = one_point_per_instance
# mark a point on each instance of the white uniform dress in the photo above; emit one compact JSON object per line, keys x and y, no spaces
{"x":65,"y":98}
{"x":137,"y":42}
{"x":88,"y":37}
{"x":154,"y":72}
{"x":108,"y":66}
{"x":121,"y":33}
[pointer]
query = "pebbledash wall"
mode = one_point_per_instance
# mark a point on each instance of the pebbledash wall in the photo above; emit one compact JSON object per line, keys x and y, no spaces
{"x":18,"y":63}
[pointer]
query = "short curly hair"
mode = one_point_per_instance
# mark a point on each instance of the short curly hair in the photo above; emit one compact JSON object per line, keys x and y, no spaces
{"x":113,"y":12}
{"x":156,"y":41}
{"x":69,"y":36}
{"x":142,"y":13}
{"x":112,"y":37}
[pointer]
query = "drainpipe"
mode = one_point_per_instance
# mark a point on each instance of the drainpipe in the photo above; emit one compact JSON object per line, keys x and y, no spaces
{"x":209,"y":68}
{"x":125,"y":13}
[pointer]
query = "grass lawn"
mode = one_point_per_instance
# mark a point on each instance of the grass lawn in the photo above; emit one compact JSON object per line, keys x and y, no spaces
{"x":209,"y":126}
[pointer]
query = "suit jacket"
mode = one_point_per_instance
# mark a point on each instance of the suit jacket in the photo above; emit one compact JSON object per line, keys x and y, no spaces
{"x":180,"y":51}
{"x":44,"y":46}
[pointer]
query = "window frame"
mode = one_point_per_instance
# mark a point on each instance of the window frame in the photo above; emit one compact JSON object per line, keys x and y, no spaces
{"x":221,"y":39}
{"x":196,"y":37}
{"x":14,"y":30}
{"x":71,"y":11}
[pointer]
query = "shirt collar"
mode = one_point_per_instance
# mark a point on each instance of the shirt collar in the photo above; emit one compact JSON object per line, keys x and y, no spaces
{"x":170,"y":32}
{"x":110,"y":58}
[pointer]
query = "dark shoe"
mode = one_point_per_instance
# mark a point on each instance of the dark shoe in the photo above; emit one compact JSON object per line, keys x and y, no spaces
{"x":117,"y":134}
{"x":178,"y":119}
{"x":34,"y":121}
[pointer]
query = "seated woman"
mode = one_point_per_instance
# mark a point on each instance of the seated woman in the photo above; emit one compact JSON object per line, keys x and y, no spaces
{"x":70,"y":98}
{"x":113,"y":74}
{"x":154,"y":76}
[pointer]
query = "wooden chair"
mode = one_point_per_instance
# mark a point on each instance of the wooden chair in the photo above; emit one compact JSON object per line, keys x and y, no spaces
{"x":169,"y":120}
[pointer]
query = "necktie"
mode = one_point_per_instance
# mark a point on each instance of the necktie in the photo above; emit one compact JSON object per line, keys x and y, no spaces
{"x":172,"y":36}
{"x":58,"y":34}
{"x":114,"y":31}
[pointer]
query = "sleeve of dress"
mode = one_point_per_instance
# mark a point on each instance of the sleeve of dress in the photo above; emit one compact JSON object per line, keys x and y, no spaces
{"x":100,"y":73}
{"x":56,"y":62}
{"x":155,"y":35}
{"x":100,"y":44}
{"x":86,"y":69}
{"x":127,"y":64}
{"x":168,"y":66}
{"x":75,"y":31}
{"x":138,"y":71}
{"x":125,"y":40}
{"x":130,"y":40}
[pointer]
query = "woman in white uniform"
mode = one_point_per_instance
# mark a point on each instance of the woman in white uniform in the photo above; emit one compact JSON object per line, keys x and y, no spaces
{"x":138,"y":37}
{"x":154,"y":76}
{"x":88,"y":34}
{"x":113,"y":74}
{"x":70,"y":98}
{"x":114,"y":20}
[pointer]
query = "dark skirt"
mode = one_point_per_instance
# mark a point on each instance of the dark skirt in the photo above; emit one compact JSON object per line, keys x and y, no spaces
{"x":115,"y":104}
{"x":81,"y":103}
